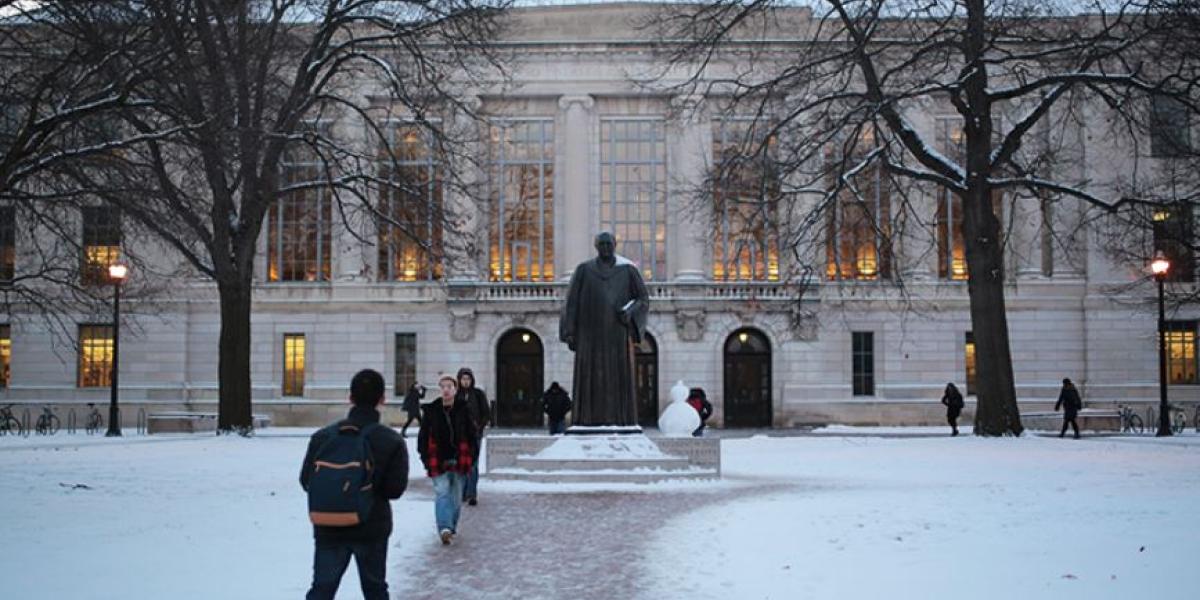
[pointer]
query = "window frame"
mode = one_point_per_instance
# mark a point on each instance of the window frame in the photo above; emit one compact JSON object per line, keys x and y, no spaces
{"x":291,"y":374}
{"x":104,"y":378}
{"x":503,"y":245}
{"x":285,"y":235}
{"x":1182,"y":329}
{"x":401,"y":382}
{"x":620,"y":158}
{"x":862,"y":363}
{"x":427,"y":260}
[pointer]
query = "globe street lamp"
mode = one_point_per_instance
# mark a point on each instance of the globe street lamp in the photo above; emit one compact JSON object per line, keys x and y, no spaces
{"x":117,"y":273}
{"x":1160,"y":265}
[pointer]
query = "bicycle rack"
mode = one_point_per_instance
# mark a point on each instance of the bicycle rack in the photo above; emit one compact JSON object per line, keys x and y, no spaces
{"x":71,"y":421}
{"x":25,"y":431}
{"x":141,"y":421}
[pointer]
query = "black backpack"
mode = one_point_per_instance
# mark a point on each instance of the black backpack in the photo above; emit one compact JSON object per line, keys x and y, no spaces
{"x":341,"y":488}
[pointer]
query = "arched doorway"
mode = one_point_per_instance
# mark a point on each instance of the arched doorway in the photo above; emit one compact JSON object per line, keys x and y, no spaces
{"x":646,"y":380}
{"x":519,"y":379}
{"x":747,"y":399}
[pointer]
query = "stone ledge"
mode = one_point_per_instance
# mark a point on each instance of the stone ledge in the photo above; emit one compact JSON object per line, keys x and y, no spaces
{"x":517,"y":458}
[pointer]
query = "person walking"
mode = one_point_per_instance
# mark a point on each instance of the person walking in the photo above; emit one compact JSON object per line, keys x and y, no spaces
{"x":445,"y":442}
{"x":556,"y":404}
{"x":366,"y":541}
{"x":953,"y":400}
{"x":698,"y":400}
{"x":412,"y":407}
{"x":1070,"y":403}
{"x":477,"y":406}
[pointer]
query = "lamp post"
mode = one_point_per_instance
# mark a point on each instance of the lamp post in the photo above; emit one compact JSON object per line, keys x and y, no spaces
{"x":117,"y":273}
{"x":1160,"y":265}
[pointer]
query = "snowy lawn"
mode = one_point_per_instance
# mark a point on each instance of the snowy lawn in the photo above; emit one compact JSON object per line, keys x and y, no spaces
{"x":795,"y":517}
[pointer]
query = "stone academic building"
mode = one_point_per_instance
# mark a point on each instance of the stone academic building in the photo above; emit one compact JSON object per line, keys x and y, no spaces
{"x":778,"y":338}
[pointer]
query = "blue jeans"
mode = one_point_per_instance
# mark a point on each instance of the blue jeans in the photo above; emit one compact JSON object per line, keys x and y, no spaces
{"x":557,"y":427}
{"x":471,"y":485}
{"x":331,"y":559}
{"x":447,"y":503}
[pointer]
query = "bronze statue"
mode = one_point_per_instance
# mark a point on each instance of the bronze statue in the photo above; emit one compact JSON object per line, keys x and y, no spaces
{"x":604,"y":317}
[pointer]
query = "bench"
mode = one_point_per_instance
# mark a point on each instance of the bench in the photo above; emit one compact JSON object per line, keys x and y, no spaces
{"x":1089,"y":419}
{"x":192,"y":422}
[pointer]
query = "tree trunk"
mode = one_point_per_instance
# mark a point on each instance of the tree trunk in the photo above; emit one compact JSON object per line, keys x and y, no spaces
{"x":233,"y":370}
{"x":996,"y":411}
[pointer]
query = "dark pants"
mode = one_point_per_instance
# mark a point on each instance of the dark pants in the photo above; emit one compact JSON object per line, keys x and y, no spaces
{"x":952,"y":419}
{"x":558,"y":426}
{"x":699,"y":432}
{"x":1069,"y":420}
{"x":411,"y":417}
{"x":332,"y":558}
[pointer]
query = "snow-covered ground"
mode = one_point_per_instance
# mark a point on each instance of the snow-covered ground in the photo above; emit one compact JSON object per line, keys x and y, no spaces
{"x":828,"y":516}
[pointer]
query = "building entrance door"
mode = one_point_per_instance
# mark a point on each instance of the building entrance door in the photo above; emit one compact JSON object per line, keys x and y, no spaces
{"x":519,"y":364}
{"x":646,"y":380}
{"x":747,"y":400}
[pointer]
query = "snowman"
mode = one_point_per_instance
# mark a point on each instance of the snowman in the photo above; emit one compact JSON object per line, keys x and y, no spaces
{"x":679,"y":419}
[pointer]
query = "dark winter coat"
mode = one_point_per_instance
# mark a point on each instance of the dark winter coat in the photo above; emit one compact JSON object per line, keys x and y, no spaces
{"x":412,"y":400}
{"x":954,"y":403}
{"x":703,"y":407}
{"x":476,"y":400}
{"x":556,"y":403}
{"x":391,"y":476}
{"x":1069,"y":402}
{"x":447,"y":440}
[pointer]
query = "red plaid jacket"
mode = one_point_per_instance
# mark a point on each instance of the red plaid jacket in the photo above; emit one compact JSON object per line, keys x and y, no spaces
{"x":446,"y":437}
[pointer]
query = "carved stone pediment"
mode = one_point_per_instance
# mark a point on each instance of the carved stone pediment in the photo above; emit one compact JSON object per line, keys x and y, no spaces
{"x":689,"y":323}
{"x":462,"y":324}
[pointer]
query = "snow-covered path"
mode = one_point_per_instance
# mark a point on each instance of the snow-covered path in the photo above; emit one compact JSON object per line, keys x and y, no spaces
{"x":795,"y":517}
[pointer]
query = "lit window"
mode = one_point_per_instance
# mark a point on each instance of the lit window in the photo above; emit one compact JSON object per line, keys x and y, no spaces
{"x":1181,"y":352}
{"x":633,"y":178}
{"x":95,"y":355}
{"x":745,"y":200}
{"x":5,"y":355}
{"x":969,"y":350}
{"x":858,"y":240}
{"x":300,"y":222}
{"x":293,"y":364}
{"x":410,"y":238}
{"x":951,"y":245}
{"x":521,"y":231}
{"x":406,"y":362}
{"x":101,"y":244}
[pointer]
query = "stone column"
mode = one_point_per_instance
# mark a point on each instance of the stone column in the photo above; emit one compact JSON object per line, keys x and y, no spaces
{"x":690,"y":152}
{"x":918,"y":244}
{"x":349,"y":260}
{"x":573,"y":189}
{"x":462,"y":194}
{"x":1027,"y":236}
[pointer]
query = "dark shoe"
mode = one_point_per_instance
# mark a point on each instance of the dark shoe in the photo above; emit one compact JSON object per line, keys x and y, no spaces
{"x":955,"y":433}
{"x":1077,"y":436}
{"x":472,"y":501}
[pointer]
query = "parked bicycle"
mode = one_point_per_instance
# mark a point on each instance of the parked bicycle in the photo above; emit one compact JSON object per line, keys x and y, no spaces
{"x":95,"y":421}
{"x":47,"y":422}
{"x":9,"y":423}
{"x":1130,"y":422}
{"x":1177,"y":418}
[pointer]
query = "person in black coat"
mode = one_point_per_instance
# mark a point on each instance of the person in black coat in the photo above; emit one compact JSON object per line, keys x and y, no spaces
{"x":368,"y":541}
{"x":446,"y":444}
{"x":1070,"y":403}
{"x":412,"y":406}
{"x":953,"y":399}
{"x":699,"y":401}
{"x":556,"y":404}
{"x":477,"y":405}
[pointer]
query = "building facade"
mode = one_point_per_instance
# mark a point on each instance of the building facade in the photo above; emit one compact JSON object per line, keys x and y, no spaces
{"x":573,"y":146}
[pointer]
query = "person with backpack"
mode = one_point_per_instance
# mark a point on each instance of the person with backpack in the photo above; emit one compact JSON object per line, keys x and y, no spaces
{"x":698,"y":400}
{"x":556,"y":404}
{"x":351,"y":471}
{"x":953,"y":400}
{"x":412,"y":407}
{"x":477,"y":406}
{"x":1070,"y":403}
{"x":446,"y":443}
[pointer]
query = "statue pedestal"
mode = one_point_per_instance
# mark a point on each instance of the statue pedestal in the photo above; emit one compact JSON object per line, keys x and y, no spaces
{"x":602,"y":458}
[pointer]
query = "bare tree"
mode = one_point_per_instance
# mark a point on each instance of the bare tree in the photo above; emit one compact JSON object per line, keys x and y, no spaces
{"x":240,"y":89}
{"x":843,"y":85}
